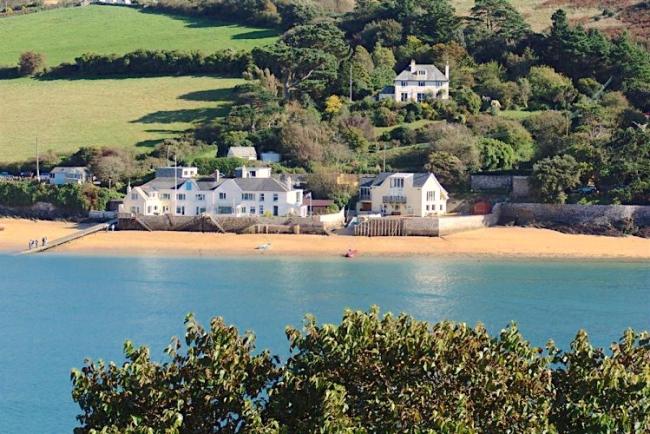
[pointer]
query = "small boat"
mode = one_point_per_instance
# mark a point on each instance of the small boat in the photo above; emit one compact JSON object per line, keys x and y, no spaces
{"x":351,"y":253}
{"x":263,"y":247}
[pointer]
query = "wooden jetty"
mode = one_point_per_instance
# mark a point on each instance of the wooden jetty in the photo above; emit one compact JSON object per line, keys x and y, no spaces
{"x":69,"y":238}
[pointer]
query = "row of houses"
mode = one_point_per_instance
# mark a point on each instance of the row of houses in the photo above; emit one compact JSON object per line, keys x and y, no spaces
{"x":257,"y":192}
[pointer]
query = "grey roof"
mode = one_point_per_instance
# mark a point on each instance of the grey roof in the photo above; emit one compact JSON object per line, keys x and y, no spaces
{"x":209,"y":183}
{"x":388,"y":90}
{"x":162,"y":183}
{"x":242,"y":151}
{"x":261,"y":184}
{"x":76,"y":169}
{"x":433,"y":73}
{"x":419,"y":179}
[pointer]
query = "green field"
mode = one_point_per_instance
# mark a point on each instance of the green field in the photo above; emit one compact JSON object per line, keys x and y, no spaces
{"x":67,"y":114}
{"x":63,"y":34}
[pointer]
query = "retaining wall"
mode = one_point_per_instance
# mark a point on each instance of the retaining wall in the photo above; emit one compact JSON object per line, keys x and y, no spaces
{"x":529,"y":213}
{"x":491,"y":182}
{"x":450,"y":225}
{"x":205,"y":223}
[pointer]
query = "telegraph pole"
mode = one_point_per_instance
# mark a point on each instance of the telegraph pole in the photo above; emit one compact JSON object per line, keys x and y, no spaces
{"x":38,"y":167}
{"x":350,"y":82}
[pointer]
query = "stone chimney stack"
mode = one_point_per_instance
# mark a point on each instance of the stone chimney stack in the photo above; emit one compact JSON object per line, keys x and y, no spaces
{"x":447,"y":71}
{"x":413,"y":66}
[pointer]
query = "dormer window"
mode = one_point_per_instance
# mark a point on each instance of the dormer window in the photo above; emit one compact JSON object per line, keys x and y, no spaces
{"x":405,"y":83}
{"x":421,"y":72}
{"x":397,"y":182}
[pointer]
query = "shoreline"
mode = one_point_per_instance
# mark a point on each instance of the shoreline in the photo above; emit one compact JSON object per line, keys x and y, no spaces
{"x":510,"y":243}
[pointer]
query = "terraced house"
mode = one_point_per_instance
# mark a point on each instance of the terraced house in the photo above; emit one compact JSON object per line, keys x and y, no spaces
{"x":179,"y":191}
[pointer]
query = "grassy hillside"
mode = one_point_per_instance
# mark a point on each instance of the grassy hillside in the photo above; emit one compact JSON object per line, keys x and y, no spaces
{"x":63,"y":34}
{"x":624,"y":14}
{"x":65,"y":115}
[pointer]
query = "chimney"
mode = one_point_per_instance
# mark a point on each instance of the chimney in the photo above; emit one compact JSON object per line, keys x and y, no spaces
{"x":413,"y":66}
{"x":447,"y":71}
{"x":217,"y":175}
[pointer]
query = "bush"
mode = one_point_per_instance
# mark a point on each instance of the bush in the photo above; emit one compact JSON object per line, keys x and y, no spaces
{"x":31,"y":63}
{"x":553,"y":177}
{"x":155,"y":62}
{"x":370,"y":373}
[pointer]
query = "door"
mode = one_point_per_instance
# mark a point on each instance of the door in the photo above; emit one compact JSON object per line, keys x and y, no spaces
{"x":275,"y":210}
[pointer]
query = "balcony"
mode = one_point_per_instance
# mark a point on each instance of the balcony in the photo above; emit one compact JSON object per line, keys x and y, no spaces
{"x":394,"y":199}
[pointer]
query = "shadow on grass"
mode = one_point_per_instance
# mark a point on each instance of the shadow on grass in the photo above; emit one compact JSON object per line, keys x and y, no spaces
{"x":198,"y":22}
{"x":199,"y":115}
{"x":148,"y":143}
{"x":212,"y":95}
{"x":256,"y":34}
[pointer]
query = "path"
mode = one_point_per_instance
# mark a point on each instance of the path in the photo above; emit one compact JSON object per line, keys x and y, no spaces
{"x":69,"y":238}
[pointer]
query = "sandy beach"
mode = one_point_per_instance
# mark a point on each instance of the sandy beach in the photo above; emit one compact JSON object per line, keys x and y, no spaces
{"x":511,"y":242}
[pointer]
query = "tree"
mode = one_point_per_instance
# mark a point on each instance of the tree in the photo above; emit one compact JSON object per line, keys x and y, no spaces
{"x":396,"y":374}
{"x":438,"y":22}
{"x":448,"y":168}
{"x":305,"y":59}
{"x":384,"y":32}
{"x":31,"y":63}
{"x":549,"y":130}
{"x":496,"y":27}
{"x":369,"y":373}
{"x":597,"y":393}
{"x":550,"y":88}
{"x":215,"y":383}
{"x":554,"y":176}
{"x":496,"y":155}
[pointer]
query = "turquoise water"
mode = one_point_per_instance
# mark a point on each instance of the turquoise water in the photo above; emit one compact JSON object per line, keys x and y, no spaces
{"x":57,"y":310}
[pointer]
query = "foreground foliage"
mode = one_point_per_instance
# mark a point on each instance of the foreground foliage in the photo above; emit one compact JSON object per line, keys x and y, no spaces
{"x":371,"y":373}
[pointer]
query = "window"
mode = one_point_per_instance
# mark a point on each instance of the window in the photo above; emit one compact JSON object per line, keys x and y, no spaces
{"x":243,"y":210}
{"x":135,"y":210}
{"x":224,"y":210}
{"x":365,"y":191}
{"x":188,"y":186}
{"x":421,"y":97}
{"x":222,"y":196}
{"x":165,"y":209}
{"x":200,"y":210}
{"x":261,"y":209}
{"x":134,"y":196}
{"x":421,"y":83}
{"x":428,"y":207}
{"x":180,"y":196}
{"x":261,"y":197}
{"x":248,"y":196}
{"x":397,"y":182}
{"x":440,"y":207}
{"x":405,"y":97}
{"x":252,"y":174}
{"x":405,"y":83}
{"x":252,"y":210}
{"x":180,"y":210}
{"x":165,"y":196}
{"x":276,"y":197}
{"x":298,"y":197}
{"x":431,"y":196}
{"x":421,"y":72}
{"x":200,"y":197}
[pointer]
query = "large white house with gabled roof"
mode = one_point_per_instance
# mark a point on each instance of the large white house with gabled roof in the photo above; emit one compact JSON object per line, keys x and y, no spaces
{"x":404,"y":194}
{"x":179,"y":191}
{"x":418,"y":82}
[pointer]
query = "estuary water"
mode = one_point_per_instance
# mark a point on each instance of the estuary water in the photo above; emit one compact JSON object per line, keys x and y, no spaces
{"x":56,"y":310}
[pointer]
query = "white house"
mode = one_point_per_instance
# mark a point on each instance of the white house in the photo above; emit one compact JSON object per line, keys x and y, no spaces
{"x":69,"y":175}
{"x":406,"y":194}
{"x":253,"y":192}
{"x":243,"y":152}
{"x":417,"y":82}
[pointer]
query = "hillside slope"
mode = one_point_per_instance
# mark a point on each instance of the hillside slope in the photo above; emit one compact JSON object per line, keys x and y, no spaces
{"x":66,"y":33}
